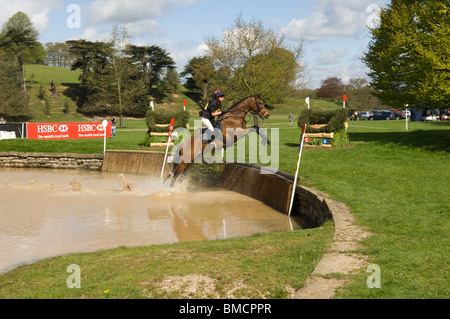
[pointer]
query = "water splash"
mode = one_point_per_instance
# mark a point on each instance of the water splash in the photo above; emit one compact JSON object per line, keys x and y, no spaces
{"x":76,"y":185}
{"x":127,"y":185}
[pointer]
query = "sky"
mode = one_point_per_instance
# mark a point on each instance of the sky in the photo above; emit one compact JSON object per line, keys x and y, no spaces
{"x":335,"y":33}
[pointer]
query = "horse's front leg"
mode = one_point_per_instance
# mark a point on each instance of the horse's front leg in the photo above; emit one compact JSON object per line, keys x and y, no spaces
{"x":265,"y":139}
{"x":237,"y":134}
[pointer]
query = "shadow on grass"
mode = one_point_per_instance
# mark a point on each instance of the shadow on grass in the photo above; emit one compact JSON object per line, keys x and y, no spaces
{"x":72,"y":90}
{"x":429,"y":140}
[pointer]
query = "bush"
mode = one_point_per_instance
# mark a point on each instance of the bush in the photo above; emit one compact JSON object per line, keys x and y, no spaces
{"x":335,"y":123}
{"x":334,"y":120}
{"x":340,"y":139}
{"x":164,"y":117}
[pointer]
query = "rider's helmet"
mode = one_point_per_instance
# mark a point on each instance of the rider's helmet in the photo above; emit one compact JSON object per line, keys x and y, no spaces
{"x":218,"y":94}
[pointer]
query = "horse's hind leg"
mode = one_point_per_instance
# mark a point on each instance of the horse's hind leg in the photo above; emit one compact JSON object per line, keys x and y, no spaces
{"x":180,"y":170}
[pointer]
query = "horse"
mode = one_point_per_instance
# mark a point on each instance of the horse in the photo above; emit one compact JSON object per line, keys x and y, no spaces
{"x":233,"y":124}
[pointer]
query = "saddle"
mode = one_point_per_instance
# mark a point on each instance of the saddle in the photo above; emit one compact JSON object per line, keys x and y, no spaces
{"x":209,"y":137}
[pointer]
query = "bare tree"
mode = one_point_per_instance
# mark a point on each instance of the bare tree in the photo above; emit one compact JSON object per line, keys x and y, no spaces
{"x":256,"y":60}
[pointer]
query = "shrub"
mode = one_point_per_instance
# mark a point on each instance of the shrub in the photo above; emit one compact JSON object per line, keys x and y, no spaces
{"x":334,"y":123}
{"x":334,"y":120}
{"x":164,"y":117}
{"x":340,"y":139}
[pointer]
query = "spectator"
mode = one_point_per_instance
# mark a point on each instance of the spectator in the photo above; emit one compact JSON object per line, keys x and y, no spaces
{"x":113,"y":127}
{"x":291,"y":118}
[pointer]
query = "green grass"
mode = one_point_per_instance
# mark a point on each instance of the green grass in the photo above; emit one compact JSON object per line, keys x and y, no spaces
{"x":257,"y":266}
{"x":396,"y":184}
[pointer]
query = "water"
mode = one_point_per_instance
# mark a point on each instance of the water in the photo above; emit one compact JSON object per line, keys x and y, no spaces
{"x":46,"y":213}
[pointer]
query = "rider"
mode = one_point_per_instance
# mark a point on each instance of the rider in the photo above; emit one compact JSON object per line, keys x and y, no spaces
{"x":211,"y":110}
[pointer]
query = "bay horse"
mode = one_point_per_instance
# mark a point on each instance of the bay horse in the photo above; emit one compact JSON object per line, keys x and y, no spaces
{"x":232,"y":120}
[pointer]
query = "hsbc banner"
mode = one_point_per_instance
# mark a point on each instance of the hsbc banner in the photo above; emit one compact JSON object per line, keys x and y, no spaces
{"x":60,"y":131}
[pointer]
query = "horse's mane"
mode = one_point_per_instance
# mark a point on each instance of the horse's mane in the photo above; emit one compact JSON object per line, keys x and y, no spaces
{"x":236,"y":104}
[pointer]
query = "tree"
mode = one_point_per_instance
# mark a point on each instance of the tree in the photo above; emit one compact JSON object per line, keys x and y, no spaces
{"x":58,"y":54}
{"x":152,"y":61}
{"x":331,"y":88}
{"x":255,"y":59}
{"x":14,"y":102}
{"x":18,"y":34}
{"x":408,"y":53}
{"x":360,"y":95}
{"x":92,"y":59}
{"x":128,"y":89}
{"x":111,"y":82}
{"x":172,"y":81}
{"x":200,"y":74}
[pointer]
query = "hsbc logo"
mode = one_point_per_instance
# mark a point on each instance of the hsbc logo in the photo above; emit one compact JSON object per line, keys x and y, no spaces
{"x":63,"y":128}
{"x":90,"y":127}
{"x":47,"y":128}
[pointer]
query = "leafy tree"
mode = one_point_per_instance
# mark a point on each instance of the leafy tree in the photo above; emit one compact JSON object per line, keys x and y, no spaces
{"x":408,"y":53}
{"x":111,"y":81}
{"x":172,"y":81}
{"x":58,"y":54}
{"x":331,"y":88}
{"x":153,"y":61}
{"x":127,"y":90}
{"x":92,"y":59}
{"x":14,"y":102}
{"x":200,"y":75}
{"x":18,"y":35}
{"x":256,"y":61}
{"x":360,"y":95}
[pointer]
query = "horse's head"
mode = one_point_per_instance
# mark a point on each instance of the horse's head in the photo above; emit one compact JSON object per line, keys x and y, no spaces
{"x":259,"y":108}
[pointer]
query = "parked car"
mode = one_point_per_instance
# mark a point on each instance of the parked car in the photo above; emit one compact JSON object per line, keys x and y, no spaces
{"x":382,"y":115}
{"x":366,"y":115}
{"x":396,"y":114}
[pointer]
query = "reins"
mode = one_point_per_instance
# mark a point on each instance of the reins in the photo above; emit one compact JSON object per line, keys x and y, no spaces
{"x":233,"y":112}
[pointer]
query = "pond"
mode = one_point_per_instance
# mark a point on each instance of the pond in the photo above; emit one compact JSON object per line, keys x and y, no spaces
{"x":47,"y":212}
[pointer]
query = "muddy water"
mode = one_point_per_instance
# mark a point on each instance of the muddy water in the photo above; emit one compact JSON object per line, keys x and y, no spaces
{"x":45,"y":213}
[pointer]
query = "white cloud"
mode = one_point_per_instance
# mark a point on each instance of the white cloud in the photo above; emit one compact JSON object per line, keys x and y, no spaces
{"x":126,"y":11}
{"x":37,"y":11}
{"x":344,"y":72}
{"x":93,"y":34}
{"x":149,"y":27}
{"x":331,"y":56}
{"x":330,"y":18}
{"x":183,"y":52}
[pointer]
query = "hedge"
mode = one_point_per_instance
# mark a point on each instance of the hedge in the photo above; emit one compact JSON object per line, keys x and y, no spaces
{"x":163,"y":117}
{"x":335,"y":123}
{"x":334,"y":120}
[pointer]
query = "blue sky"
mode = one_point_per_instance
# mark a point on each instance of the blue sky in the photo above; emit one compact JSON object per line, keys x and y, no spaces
{"x":335,"y":33}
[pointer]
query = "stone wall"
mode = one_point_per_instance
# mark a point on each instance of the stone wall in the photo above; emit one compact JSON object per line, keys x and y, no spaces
{"x":51,"y":160}
{"x":135,"y":162}
{"x":275,"y":190}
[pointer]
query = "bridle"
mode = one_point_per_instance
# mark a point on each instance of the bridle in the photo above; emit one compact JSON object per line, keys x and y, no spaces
{"x":259,"y":107}
{"x":233,"y":112}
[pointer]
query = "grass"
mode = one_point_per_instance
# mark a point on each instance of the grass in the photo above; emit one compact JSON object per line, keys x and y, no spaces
{"x":394,"y":181}
{"x":255,"y":267}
